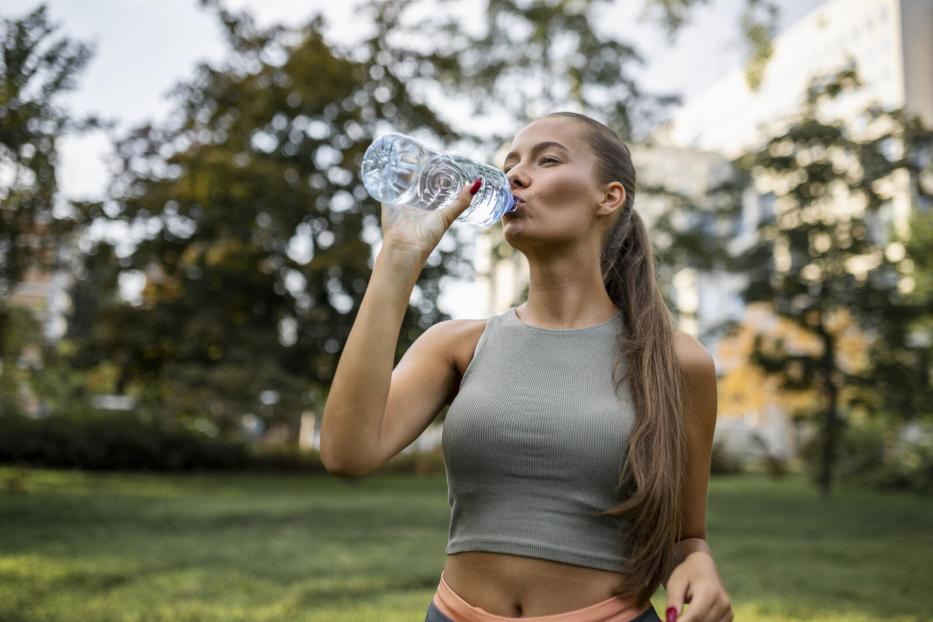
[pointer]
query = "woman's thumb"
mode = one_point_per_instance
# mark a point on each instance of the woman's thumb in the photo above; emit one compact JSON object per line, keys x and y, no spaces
{"x":463,"y":200}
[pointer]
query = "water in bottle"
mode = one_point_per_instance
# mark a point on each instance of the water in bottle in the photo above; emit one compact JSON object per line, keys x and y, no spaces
{"x":398,"y":170}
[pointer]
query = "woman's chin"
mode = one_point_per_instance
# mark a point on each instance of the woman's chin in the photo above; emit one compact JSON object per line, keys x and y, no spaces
{"x":512,"y":218}
{"x":511,"y":226}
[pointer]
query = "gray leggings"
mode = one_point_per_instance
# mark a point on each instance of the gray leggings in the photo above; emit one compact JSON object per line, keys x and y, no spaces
{"x":435,"y":615}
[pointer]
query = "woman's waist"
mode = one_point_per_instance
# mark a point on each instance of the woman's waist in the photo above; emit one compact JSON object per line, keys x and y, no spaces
{"x":516,"y":585}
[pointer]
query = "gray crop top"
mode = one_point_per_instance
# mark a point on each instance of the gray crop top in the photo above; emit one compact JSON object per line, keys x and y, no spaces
{"x":534,"y":443}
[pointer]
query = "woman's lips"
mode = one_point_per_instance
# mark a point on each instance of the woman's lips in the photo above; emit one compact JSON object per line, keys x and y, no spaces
{"x":519,"y":205}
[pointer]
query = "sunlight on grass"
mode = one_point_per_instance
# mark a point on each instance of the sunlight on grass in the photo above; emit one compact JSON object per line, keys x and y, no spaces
{"x":214,"y":546}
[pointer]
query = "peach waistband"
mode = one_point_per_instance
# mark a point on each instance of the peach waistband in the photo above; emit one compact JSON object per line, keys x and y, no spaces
{"x":613,"y":609}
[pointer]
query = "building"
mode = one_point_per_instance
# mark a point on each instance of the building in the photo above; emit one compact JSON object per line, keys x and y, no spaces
{"x":890,"y":43}
{"x":44,"y":291}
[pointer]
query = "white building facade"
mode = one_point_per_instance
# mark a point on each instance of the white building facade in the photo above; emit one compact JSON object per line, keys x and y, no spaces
{"x":890,"y":43}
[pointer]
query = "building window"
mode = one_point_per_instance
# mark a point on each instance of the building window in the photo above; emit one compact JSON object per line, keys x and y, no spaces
{"x":889,"y":149}
{"x":765,"y":209}
{"x":923,"y":203}
{"x":878,"y":222}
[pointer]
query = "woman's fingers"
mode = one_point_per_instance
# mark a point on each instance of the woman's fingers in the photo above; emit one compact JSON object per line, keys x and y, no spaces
{"x":707,"y":607}
{"x":676,"y":589}
{"x":463,"y":200}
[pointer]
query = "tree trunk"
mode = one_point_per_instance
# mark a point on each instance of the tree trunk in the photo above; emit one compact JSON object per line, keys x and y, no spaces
{"x":831,"y":424}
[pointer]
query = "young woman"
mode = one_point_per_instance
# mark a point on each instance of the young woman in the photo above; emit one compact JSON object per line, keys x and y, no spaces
{"x":578,"y":439}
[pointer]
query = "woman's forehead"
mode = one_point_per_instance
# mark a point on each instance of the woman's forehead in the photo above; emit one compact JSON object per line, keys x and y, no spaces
{"x":563,"y":131}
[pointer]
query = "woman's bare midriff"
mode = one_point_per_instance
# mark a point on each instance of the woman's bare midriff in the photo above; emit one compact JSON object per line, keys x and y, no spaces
{"x":517,"y":586}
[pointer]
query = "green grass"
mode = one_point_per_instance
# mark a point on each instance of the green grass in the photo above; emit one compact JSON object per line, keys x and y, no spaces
{"x":148,"y":547}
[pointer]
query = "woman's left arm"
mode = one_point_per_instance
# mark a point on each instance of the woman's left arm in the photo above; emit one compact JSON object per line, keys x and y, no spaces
{"x":694,"y":578}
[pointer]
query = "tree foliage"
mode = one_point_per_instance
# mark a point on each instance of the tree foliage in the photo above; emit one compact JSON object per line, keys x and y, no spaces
{"x":36,"y":67}
{"x":823,"y":258}
{"x":258,"y":232}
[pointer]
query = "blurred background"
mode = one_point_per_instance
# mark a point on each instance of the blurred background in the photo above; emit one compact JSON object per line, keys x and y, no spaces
{"x":185,"y":240}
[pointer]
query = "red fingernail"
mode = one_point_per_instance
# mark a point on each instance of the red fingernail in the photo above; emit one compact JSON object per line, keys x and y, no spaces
{"x":476,"y":184}
{"x":671,"y":614}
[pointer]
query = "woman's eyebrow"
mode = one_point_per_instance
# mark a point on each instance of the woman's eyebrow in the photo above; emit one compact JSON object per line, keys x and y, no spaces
{"x":542,"y":145}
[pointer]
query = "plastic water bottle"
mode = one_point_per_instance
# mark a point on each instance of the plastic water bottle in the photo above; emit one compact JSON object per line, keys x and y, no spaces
{"x":398,"y":170}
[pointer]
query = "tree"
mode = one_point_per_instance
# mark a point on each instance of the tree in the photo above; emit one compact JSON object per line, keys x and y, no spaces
{"x":899,"y":383}
{"x":820,"y":266}
{"x":258,"y":249}
{"x":36,"y":67}
{"x":534,"y":57}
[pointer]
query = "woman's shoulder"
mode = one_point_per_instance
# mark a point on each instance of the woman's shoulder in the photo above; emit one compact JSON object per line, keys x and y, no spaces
{"x":461,"y":328}
{"x":461,"y":337}
{"x":690,"y":352}
{"x":458,"y":331}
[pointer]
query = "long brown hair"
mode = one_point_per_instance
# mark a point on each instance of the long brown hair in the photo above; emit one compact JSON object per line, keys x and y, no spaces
{"x":652,"y":475}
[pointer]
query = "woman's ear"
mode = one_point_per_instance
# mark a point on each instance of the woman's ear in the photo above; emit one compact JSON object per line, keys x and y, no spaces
{"x":613,"y":199}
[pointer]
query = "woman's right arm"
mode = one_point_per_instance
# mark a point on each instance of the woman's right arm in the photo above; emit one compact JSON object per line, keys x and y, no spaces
{"x":353,"y":439}
{"x":352,"y":424}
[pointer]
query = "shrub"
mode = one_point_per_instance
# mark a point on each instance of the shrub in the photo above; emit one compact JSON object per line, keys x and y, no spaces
{"x":108,"y":441}
{"x":908,"y":464}
{"x":417,"y":462}
{"x":113,"y":442}
{"x":724,"y":462}
{"x":874,"y":453}
{"x":278,"y":458}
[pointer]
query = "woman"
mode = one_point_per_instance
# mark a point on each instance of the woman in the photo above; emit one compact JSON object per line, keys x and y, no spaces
{"x":578,"y":439}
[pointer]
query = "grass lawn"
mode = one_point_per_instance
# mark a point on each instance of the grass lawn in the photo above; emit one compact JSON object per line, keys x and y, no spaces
{"x":148,"y":547}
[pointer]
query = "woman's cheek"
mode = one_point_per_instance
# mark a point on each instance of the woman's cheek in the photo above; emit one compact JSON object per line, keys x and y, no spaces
{"x":570,"y":194}
{"x":568,"y":182}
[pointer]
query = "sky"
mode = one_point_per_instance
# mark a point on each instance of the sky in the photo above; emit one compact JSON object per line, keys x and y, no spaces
{"x":144,"y":47}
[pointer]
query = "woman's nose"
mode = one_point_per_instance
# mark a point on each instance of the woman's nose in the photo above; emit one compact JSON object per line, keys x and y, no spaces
{"x":515,"y":179}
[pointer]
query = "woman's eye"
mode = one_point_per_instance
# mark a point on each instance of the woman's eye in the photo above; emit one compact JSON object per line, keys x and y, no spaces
{"x":544,"y":159}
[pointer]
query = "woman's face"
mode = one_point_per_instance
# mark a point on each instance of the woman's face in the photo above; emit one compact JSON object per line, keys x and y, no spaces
{"x":550,"y":167}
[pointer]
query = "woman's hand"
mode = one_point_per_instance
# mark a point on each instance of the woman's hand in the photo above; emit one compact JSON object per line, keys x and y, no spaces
{"x":417,"y":230}
{"x":696,"y":581}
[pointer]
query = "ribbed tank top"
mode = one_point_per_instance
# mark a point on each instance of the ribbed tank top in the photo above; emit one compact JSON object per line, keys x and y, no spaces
{"x":534,"y":443}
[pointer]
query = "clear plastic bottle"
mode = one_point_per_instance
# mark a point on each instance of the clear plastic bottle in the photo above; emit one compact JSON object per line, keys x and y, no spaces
{"x":398,"y":170}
